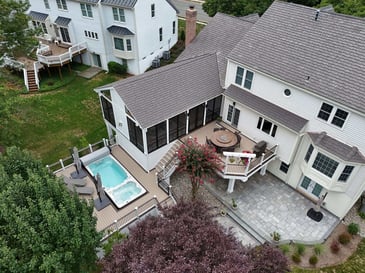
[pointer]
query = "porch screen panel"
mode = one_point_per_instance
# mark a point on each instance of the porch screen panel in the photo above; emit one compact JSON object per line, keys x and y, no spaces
{"x":213,"y":109}
{"x":135,"y":134}
{"x":196,"y":117}
{"x":156,"y":136}
{"x":177,"y":127}
{"x":108,"y":110}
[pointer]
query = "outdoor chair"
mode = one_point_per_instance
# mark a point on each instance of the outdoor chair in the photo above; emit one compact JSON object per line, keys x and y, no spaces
{"x":238,"y":144}
{"x":208,"y":141}
{"x":218,"y":129}
{"x":74,"y":182}
{"x":80,"y":190}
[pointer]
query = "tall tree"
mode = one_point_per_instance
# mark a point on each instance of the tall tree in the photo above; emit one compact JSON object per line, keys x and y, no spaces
{"x":187,"y":239}
{"x":350,"y":7}
{"x":43,"y":228}
{"x":16,"y":38}
{"x":199,"y":162}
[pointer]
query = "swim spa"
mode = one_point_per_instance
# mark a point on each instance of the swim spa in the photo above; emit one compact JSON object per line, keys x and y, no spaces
{"x":121,"y":187}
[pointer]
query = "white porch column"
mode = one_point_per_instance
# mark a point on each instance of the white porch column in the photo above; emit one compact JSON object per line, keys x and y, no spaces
{"x":109,"y":130}
{"x":231,"y":185}
{"x":263,"y":170}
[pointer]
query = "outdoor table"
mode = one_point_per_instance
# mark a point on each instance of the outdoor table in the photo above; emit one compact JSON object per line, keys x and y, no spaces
{"x":224,"y":139}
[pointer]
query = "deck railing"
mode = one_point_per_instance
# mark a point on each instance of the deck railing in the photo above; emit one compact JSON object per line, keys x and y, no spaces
{"x":62,"y":164}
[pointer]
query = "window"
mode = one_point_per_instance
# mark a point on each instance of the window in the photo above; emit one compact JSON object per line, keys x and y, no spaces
{"x":61,"y":4}
{"x":119,"y":44}
{"x":177,"y":126}
{"x":248,"y":80}
{"x":65,"y":35}
{"x":213,"y":107}
{"x":153,"y":10}
{"x":325,"y":165}
{"x":267,"y":126}
{"x":40,"y":25}
{"x":284,"y":167}
{"x":135,"y":134}
{"x":335,"y":115}
{"x":248,"y":77}
{"x":46,"y":4}
{"x":230,"y":112}
{"x":309,"y":153}
{"x":118,"y":15}
{"x":156,"y":137}
{"x":311,"y":186}
{"x":129,"y":44}
{"x":346,"y":173}
{"x":86,"y":10}
{"x":173,"y":27}
{"x":160,"y":32}
{"x":108,"y":110}
{"x":91,"y":34}
{"x":236,"y":117}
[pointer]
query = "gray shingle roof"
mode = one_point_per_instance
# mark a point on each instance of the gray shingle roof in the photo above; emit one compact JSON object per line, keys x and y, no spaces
{"x":62,"y":21}
{"x":38,"y":16}
{"x":120,"y":3}
{"x":162,"y":93}
{"x":335,"y":147}
{"x":87,"y":1}
{"x":122,"y":31}
{"x":267,"y":109}
{"x":221,"y":35}
{"x":288,"y":43}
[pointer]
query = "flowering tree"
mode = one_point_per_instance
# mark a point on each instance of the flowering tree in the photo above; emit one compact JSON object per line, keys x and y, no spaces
{"x":200,"y":161}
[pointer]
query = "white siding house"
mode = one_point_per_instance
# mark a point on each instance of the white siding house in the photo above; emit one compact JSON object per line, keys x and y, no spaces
{"x":282,"y":81}
{"x":128,"y":32}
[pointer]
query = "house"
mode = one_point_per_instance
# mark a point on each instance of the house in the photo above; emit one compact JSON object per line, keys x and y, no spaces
{"x":291,"y":78}
{"x":128,"y":32}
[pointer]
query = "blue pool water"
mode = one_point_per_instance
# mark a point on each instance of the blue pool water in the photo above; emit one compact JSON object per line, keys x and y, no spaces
{"x":111,"y":173}
{"x":126,"y":191}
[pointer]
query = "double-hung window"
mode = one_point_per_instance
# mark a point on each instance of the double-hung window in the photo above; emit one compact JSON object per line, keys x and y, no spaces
{"x":61,"y":4}
{"x":118,"y":14}
{"x":153,"y":10}
{"x":309,"y":153}
{"x":46,"y":4}
{"x":173,"y":27}
{"x":119,"y":43}
{"x":160,"y":33}
{"x":346,"y":173}
{"x":86,"y":10}
{"x":40,"y":25}
{"x":333,"y":115}
{"x":267,"y":126}
{"x":244,"y":77}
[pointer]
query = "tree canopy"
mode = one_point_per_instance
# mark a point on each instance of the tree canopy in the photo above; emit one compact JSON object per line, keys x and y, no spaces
{"x":187,"y":239}
{"x":43,"y":228}
{"x":16,"y":37}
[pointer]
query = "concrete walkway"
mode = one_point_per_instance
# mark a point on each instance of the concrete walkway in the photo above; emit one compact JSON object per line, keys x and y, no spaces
{"x":266,"y":204}
{"x":90,"y":72}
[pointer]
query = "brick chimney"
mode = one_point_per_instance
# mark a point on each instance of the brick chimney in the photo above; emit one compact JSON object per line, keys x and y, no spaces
{"x":190,"y":25}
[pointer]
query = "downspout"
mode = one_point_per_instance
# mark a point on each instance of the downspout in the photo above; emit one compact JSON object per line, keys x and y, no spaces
{"x":99,"y":8}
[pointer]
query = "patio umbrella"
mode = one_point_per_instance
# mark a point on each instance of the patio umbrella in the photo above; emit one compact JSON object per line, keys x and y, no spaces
{"x":99,"y":188}
{"x":77,"y":161}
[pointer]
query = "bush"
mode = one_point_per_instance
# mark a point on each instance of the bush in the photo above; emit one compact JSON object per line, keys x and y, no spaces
{"x":344,"y":238}
{"x":117,"y":68}
{"x":362,"y":214}
{"x":296,"y":258}
{"x":275,"y":236}
{"x":300,"y":249}
{"x":313,"y":260}
{"x":318,"y":249}
{"x":353,"y":228}
{"x":182,"y":35}
{"x":285,"y":248}
{"x":115,"y":238}
{"x":335,"y":246}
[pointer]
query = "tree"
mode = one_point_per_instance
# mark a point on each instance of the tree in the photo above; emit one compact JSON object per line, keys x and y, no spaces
{"x":16,"y":38}
{"x":187,"y":239}
{"x":199,"y":161}
{"x":350,"y":7}
{"x":43,"y":228}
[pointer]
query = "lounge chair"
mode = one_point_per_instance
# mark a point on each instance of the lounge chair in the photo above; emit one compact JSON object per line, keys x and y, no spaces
{"x":81,"y":190}
{"x":74,"y":182}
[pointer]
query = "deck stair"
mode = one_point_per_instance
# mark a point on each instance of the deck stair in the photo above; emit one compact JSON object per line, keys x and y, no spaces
{"x":32,"y":85}
{"x":167,"y":165}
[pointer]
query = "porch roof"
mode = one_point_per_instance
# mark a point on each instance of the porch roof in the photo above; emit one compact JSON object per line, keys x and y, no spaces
{"x":268,"y":109}
{"x":38,"y":16}
{"x":165,"y":92}
{"x":336,"y":147}
{"x":62,"y":21}
{"x":121,"y":31}
{"x":120,"y":3}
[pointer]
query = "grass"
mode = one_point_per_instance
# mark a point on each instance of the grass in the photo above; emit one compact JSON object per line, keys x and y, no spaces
{"x":355,"y":264}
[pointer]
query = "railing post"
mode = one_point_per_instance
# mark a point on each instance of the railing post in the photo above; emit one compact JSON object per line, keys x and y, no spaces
{"x":116,"y":225}
{"x":90,"y":148}
{"x":170,"y":192}
{"x":226,"y":165}
{"x":262,"y":158}
{"x":62,"y":165}
{"x":136,"y":210}
{"x":248,"y":165}
{"x":49,"y":169}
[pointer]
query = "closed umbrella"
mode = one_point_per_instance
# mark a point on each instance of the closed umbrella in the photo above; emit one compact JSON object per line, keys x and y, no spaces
{"x":102,"y":201}
{"x":80,"y":173}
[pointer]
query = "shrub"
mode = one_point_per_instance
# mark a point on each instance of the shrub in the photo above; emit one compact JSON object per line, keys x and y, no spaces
{"x":344,"y":238}
{"x":335,"y":246}
{"x":313,"y":260}
{"x":285,"y":249}
{"x":353,"y":228}
{"x":300,"y":249}
{"x":117,"y":68}
{"x":115,"y":238}
{"x":275,"y":236}
{"x":362,"y":214}
{"x":296,"y":258}
{"x":182,"y":35}
{"x":318,"y":249}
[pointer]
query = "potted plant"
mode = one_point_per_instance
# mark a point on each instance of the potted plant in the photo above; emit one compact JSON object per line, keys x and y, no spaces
{"x":232,"y":160}
{"x":234,"y":204}
{"x":223,"y":212}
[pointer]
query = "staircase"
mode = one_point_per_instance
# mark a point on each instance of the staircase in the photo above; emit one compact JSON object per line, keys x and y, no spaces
{"x":32,"y":85}
{"x":167,"y":165}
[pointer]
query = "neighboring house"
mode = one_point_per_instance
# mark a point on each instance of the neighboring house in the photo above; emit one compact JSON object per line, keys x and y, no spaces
{"x":132,"y":32}
{"x":292,"y":78}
